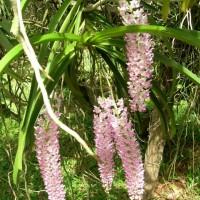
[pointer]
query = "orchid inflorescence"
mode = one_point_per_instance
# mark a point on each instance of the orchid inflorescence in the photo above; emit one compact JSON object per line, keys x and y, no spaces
{"x":48,"y":156}
{"x":112,"y":126}
{"x":112,"y":129}
{"x":139,"y":52}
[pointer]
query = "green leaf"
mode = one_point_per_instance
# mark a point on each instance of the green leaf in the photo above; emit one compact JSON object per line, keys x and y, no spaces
{"x":178,"y":67}
{"x":52,"y":26}
{"x":113,"y":42}
{"x":71,"y":81}
{"x":14,"y":75}
{"x":5,"y":24}
{"x":18,"y":157}
{"x":77,"y":22}
{"x":18,"y":49}
{"x":148,"y":6}
{"x":93,"y":18}
{"x":156,"y":89}
{"x":187,"y":4}
{"x":189,"y":36}
{"x":5,"y":43}
{"x":184,"y":5}
{"x":24,"y":4}
{"x":65,"y":27}
{"x":36,"y":102}
{"x":77,"y":93}
{"x":114,"y":69}
{"x":161,"y":114}
{"x":165,"y":9}
{"x":174,"y":82}
{"x":117,"y":55}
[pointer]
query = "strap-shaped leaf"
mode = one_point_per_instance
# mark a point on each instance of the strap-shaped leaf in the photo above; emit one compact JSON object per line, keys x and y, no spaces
{"x":174,"y":81}
{"x":148,"y":6}
{"x":5,"y":43}
{"x":116,"y":55}
{"x":189,"y":36}
{"x":17,"y":50}
{"x":113,"y":42}
{"x":53,"y":25}
{"x":35,"y":103}
{"x":165,"y":9}
{"x":187,"y":4}
{"x":66,"y":26}
{"x":24,"y":4}
{"x":161,"y":114}
{"x":5,"y":24}
{"x":71,"y":81}
{"x":172,"y":129}
{"x":14,"y":75}
{"x":113,"y":68}
{"x":178,"y":67}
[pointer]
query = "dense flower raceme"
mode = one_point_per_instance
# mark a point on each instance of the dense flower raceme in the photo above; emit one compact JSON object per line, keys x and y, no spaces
{"x":139,"y":50}
{"x":129,"y":152}
{"x":111,"y":126}
{"x":47,"y":152}
{"x":104,"y":141}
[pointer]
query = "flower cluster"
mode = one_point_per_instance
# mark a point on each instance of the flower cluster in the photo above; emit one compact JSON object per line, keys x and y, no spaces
{"x":129,"y":152}
{"x":47,"y":152}
{"x":139,"y":48}
{"x":104,"y":141}
{"x":112,"y":127}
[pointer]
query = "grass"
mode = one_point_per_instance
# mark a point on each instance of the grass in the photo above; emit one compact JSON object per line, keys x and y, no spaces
{"x":80,"y":171}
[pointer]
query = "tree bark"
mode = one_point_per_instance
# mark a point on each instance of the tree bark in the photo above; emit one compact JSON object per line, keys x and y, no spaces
{"x":153,"y":155}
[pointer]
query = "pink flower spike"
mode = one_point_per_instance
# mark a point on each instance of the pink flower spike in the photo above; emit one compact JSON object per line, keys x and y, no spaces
{"x":104,"y":141}
{"x":111,"y":126}
{"x":47,"y":153}
{"x":129,"y":152}
{"x":139,"y":51}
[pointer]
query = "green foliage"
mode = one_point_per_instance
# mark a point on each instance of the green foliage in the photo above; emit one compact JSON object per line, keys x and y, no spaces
{"x":187,"y":4}
{"x":165,"y":9}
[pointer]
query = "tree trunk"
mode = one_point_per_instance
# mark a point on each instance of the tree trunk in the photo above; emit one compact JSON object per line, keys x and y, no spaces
{"x":153,"y":155}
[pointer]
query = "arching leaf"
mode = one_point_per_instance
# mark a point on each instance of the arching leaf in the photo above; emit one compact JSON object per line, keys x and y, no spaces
{"x":189,"y":36}
{"x":18,"y":49}
{"x":172,"y":128}
{"x":178,"y":67}
{"x":161,"y":114}
{"x":35,"y":103}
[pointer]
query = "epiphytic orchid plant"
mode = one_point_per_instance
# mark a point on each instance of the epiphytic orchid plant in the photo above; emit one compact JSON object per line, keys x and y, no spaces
{"x":125,"y":50}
